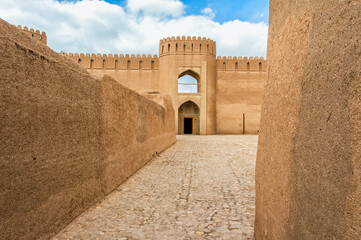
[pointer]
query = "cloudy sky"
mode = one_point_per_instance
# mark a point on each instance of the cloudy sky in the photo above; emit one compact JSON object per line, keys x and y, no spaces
{"x":136,"y":26}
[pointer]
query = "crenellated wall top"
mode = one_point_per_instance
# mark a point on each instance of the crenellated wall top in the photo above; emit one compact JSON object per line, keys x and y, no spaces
{"x":115,"y":61}
{"x":241,"y":64}
{"x":41,"y":37}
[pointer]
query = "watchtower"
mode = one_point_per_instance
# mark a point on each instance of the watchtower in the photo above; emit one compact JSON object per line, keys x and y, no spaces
{"x":195,"y":57}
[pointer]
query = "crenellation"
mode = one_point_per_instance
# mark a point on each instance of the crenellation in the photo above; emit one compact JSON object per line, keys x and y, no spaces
{"x":41,"y":37}
{"x":109,"y":61}
{"x":189,"y":45}
{"x":241,"y":64}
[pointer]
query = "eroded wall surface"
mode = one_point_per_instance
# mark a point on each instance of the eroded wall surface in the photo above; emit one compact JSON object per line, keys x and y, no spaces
{"x":67,"y":139}
{"x":308,"y":171}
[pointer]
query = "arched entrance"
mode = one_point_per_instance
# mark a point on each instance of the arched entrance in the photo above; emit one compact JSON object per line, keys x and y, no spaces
{"x":188,"y":118}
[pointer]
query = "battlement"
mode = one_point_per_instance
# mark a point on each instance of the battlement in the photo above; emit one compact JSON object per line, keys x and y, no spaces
{"x":110,"y":61}
{"x":187,"y":45}
{"x":241,"y":64}
{"x":41,"y":37}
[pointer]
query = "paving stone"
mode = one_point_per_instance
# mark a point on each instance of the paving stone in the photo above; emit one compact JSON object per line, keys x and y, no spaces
{"x":200,"y":188}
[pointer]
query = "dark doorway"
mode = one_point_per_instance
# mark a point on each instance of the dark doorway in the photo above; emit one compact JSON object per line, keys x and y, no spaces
{"x":188,"y":125}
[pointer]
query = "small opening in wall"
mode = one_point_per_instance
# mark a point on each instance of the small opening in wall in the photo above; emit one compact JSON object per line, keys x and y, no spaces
{"x":168,"y":47}
{"x":200,"y":47}
{"x":176,"y":47}
{"x":184,"y":47}
{"x":192,"y":47}
{"x":207,"y":47}
{"x":236,"y":66}
{"x":162,"y":49}
{"x":260,"y":66}
{"x":248,"y":68}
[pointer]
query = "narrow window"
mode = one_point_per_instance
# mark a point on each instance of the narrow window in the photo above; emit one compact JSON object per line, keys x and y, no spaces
{"x":260,"y":66}
{"x":207,"y":48}
{"x":200,"y":47}
{"x":192,"y":47}
{"x":169,"y":47}
{"x":128,"y":64}
{"x":248,"y":68}
{"x":162,"y":49}
{"x":176,"y":47}
{"x":184,"y":47}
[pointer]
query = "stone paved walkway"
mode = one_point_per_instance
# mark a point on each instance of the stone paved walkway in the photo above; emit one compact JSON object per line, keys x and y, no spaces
{"x":201,"y":188}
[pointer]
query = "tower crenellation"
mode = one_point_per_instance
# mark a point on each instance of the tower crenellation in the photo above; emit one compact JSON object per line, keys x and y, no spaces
{"x":186,"y":45}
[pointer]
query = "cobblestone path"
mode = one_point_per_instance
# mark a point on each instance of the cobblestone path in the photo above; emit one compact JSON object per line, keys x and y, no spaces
{"x":200,"y":188}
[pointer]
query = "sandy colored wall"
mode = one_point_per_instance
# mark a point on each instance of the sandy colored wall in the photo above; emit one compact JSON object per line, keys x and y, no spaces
{"x":308,"y":171}
{"x":41,"y":37}
{"x":66,"y":138}
{"x":181,"y":54}
{"x":135,"y":72}
{"x":240,"y":85}
{"x":228,"y":87}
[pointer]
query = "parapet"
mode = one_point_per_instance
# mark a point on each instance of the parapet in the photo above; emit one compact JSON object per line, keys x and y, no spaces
{"x":41,"y":37}
{"x":241,"y":64}
{"x":187,"y":45}
{"x":120,"y":62}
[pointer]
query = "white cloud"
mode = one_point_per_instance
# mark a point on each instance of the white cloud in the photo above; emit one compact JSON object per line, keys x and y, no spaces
{"x":174,"y":8}
{"x":209,"y":12}
{"x":100,"y":27}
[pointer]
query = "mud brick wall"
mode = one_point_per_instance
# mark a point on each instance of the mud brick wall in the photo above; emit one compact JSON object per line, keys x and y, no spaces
{"x":67,"y":138}
{"x":308,"y":171}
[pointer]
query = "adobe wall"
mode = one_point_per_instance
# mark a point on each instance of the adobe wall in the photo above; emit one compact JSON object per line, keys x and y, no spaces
{"x":228,"y":87}
{"x":240,"y":85}
{"x":140,"y":72}
{"x":308,"y":171}
{"x":41,"y":37}
{"x":67,"y":139}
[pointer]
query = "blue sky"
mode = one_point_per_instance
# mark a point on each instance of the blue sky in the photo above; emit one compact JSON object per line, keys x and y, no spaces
{"x":239,"y":27}
{"x":226,"y":10}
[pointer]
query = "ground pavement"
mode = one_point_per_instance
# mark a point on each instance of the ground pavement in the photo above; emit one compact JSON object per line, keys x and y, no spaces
{"x":200,"y":188}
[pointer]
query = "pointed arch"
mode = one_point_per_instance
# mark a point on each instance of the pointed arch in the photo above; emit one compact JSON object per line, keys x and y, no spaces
{"x":188,"y":82}
{"x":189,"y":118}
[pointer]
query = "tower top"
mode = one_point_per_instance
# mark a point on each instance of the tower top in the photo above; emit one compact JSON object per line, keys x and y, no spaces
{"x":186,"y":45}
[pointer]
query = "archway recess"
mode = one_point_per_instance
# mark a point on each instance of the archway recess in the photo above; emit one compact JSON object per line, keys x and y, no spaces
{"x":188,"y":118}
{"x":188,"y":82}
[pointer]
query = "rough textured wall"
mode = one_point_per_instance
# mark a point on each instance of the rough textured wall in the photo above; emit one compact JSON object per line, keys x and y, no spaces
{"x":66,"y":138}
{"x":308,"y":172}
{"x":240,"y":85}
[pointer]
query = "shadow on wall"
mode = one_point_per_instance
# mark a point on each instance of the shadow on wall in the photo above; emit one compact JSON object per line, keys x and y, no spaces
{"x":67,"y":139}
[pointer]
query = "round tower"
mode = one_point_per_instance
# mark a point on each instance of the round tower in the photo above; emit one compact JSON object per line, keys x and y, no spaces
{"x":196,"y":57}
